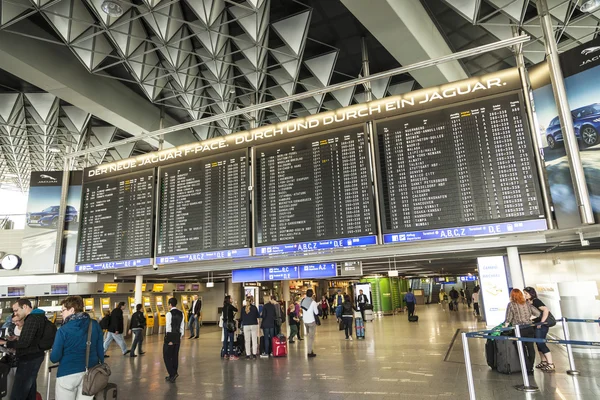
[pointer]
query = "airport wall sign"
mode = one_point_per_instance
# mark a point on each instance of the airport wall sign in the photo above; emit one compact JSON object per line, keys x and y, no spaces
{"x":468,"y":89}
{"x":108,"y":265}
{"x":285,"y":273}
{"x":317,"y":245}
{"x":204,"y":256}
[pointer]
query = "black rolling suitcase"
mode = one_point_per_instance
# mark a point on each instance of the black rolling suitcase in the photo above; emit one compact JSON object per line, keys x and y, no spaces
{"x":109,"y":393}
{"x":507,"y":357}
{"x":490,"y":353}
{"x":413,"y":318}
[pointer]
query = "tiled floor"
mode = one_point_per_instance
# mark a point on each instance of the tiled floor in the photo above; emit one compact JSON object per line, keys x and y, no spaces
{"x":397,"y":360}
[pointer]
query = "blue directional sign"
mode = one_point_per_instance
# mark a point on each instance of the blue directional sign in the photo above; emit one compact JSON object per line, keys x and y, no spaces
{"x":140,"y":262}
{"x":467,"y":231}
{"x":206,"y":256}
{"x":281,"y":273}
{"x":317,"y":245}
{"x":248,"y":275}
{"x":285,"y":273}
{"x":316,"y":271}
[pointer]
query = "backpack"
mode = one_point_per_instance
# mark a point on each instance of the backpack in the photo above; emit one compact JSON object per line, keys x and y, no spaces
{"x":48,"y":335}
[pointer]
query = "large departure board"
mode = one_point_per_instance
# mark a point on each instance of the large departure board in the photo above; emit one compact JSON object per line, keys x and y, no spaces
{"x":469,"y":166}
{"x":117,"y":222}
{"x":314,"y":193}
{"x":204,"y":209}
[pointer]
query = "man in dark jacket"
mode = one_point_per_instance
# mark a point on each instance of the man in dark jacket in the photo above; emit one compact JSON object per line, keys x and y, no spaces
{"x":174,"y":332}
{"x":194,"y":320}
{"x":115,"y":329}
{"x":137,"y":327}
{"x":362,"y":301}
{"x":28,"y":352}
{"x":268,"y":326}
{"x":454,"y":298}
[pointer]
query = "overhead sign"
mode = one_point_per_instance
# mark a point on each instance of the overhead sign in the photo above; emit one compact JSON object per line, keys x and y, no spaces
{"x":470,"y":278}
{"x":494,"y":288}
{"x":351,"y":268}
{"x":111,"y":287}
{"x":285,"y":273}
{"x":158,"y":287}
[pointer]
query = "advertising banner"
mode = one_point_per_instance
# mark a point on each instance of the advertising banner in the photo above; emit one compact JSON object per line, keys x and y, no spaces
{"x":581,"y":67}
{"x":494,"y":288}
{"x":39,"y":240}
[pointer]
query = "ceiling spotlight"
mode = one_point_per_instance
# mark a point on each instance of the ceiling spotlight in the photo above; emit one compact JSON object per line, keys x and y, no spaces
{"x":54,"y":149}
{"x":590,"y":6}
{"x":112,"y":8}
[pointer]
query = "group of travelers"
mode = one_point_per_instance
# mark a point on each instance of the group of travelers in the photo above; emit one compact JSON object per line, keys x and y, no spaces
{"x":462,"y":296}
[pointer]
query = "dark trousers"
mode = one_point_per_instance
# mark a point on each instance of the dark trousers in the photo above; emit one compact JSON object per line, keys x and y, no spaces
{"x":138,"y":339}
{"x":25,"y":387}
{"x":529,"y":347}
{"x":269,"y":333}
{"x":325,"y":312}
{"x":171,"y":357}
{"x":361,"y":307}
{"x":347,"y":326}
{"x":411,"y":309}
{"x":476,"y":307}
{"x":228,"y":342}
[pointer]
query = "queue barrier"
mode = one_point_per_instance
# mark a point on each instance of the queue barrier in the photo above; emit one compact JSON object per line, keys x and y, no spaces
{"x":527,"y":386}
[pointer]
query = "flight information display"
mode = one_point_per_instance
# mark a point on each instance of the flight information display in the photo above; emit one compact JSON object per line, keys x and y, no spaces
{"x":314,"y":193}
{"x":204,"y":208}
{"x":469,"y":166}
{"x":117,"y":222}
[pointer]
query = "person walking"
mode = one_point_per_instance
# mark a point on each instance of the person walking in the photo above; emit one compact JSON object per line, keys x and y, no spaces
{"x":229,"y":311}
{"x":518,"y":312}
{"x":174,"y":332}
{"x":443,"y":299}
{"x":137,"y":327}
{"x":454,"y":299}
{"x":250,"y":326}
{"x":298,"y":312}
{"x":115,"y":330}
{"x":475,"y":297}
{"x":411,"y":302}
{"x":541,"y":331}
{"x":268,"y":326}
{"x":293,"y":322}
{"x":194,"y":320}
{"x":324,"y":306}
{"x":30,"y":355}
{"x":70,"y":346}
{"x":310,"y":310}
{"x":362,"y":301}
{"x":348,"y":316}
{"x":468,"y":297}
{"x":278,"y":319}
{"x":339,"y":300}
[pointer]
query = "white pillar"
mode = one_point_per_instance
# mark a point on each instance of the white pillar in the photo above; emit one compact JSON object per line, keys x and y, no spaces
{"x":515,"y":270}
{"x":285,"y":291}
{"x":139,"y":279}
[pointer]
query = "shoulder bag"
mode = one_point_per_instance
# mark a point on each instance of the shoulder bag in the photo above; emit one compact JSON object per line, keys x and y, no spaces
{"x":95,"y":378}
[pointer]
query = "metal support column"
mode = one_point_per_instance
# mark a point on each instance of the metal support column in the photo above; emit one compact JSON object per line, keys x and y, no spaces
{"x":572,"y":370}
{"x":62,"y":212}
{"x":539,"y":162}
{"x":564,"y":113}
{"x":139,"y":281}
{"x":371,"y":138}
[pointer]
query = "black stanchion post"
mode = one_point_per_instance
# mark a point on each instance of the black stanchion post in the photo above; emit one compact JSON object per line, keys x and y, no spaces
{"x":526,"y":387}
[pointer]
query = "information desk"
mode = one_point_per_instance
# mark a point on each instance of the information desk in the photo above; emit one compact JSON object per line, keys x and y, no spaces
{"x":117,"y":222}
{"x":204,"y":209}
{"x":469,"y":166}
{"x":314,"y":193}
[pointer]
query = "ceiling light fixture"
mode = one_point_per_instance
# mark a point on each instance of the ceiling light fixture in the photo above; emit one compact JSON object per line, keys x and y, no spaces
{"x":590,"y":6}
{"x":112,"y":8}
{"x":54,"y":149}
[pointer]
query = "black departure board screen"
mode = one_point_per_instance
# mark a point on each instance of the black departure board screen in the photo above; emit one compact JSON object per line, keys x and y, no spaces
{"x":314,"y":193}
{"x":117,"y":222}
{"x":204,"y":209}
{"x":468,"y":166}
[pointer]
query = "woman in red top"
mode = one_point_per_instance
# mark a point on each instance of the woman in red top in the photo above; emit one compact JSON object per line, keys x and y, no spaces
{"x":324,"y":306}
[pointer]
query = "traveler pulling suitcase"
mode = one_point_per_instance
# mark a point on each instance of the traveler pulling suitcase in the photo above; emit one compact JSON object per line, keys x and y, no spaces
{"x":279,"y":346}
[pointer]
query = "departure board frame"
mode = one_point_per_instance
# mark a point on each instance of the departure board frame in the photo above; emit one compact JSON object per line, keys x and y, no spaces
{"x":216,"y":254}
{"x":395,"y":236}
{"x":292,"y":246}
{"x":120,"y":263}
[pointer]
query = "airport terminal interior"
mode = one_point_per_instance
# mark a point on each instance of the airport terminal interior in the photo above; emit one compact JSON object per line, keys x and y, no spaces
{"x":406,"y":190}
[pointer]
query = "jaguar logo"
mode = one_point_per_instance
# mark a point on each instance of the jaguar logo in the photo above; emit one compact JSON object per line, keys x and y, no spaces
{"x":590,"y":50}
{"x":44,"y":176}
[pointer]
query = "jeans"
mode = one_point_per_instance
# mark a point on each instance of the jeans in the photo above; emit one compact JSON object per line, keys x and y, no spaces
{"x":117,"y":337}
{"x":411,"y":308}
{"x":25,"y":386}
{"x":194,"y":325}
{"x":171,"y":358}
{"x":541,"y":333}
{"x":293,"y":332}
{"x":347,"y":326}
{"x":251,"y":338}
{"x":228,"y":341}
{"x":69,"y":387}
{"x":311,"y":330}
{"x":269,"y":334}
{"x":138,"y":339}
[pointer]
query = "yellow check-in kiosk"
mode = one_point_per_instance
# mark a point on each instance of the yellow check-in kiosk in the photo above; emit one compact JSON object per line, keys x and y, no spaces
{"x":131,"y":305}
{"x":104,"y":305}
{"x":88,"y":307}
{"x":185,"y":305}
{"x":149,"y":315}
{"x":161,"y":312}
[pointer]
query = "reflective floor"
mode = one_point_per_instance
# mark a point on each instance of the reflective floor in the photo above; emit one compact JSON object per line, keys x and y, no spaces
{"x":397,"y":360}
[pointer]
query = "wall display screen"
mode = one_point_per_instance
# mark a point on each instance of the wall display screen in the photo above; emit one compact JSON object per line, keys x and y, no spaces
{"x":117,"y":222}
{"x":463,"y":170}
{"x":204,"y":209}
{"x":285,"y":273}
{"x":314,"y":193}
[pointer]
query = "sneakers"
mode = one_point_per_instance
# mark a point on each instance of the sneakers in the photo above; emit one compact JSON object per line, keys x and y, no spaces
{"x":264,"y":355}
{"x":347,"y":338}
{"x":312,"y":354}
{"x":127,"y":352}
{"x":351,"y":338}
{"x":254,"y":357}
{"x":291,"y":341}
{"x":132,"y":356}
{"x":247,"y":357}
{"x":234,"y":358}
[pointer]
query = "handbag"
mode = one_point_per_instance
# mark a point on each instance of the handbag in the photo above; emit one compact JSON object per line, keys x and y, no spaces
{"x":95,"y":379}
{"x":230,"y":325}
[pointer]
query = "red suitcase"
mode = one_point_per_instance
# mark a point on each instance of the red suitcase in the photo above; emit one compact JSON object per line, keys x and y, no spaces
{"x":279,"y":346}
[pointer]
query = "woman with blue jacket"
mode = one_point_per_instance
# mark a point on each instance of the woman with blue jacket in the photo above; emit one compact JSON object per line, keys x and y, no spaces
{"x":70,"y":346}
